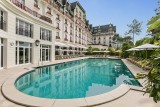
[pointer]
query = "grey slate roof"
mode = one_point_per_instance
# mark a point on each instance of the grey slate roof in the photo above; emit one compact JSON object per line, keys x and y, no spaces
{"x":73,"y":6}
{"x":103,"y":28}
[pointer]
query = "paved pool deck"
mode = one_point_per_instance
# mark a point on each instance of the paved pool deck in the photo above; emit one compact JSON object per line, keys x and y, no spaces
{"x":131,"y":99}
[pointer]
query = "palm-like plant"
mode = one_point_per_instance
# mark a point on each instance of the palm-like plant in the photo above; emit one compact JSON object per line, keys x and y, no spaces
{"x":153,"y":77}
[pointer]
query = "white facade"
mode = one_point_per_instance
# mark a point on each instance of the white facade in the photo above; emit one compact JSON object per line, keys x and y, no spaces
{"x":23,"y":22}
{"x":102,"y":35}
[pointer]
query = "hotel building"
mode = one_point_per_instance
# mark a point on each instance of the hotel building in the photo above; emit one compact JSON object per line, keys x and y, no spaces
{"x":102,"y":36}
{"x":39,"y":31}
{"x":33,"y":31}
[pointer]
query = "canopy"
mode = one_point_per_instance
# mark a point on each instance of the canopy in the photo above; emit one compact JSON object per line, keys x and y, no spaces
{"x":71,"y":45}
{"x":147,"y":47}
{"x":118,"y":51}
{"x":133,"y":49}
{"x":61,"y":44}
{"x":101,"y":51}
{"x":144,"y":47}
{"x":81,"y":47}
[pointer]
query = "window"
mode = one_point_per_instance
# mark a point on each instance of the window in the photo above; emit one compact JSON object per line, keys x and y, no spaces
{"x":70,"y":32}
{"x":66,"y":36}
{"x":65,"y":29}
{"x":71,"y":25}
{"x":23,"y":28}
{"x":23,"y":52}
{"x":57,"y":34}
{"x":65,"y":21}
{"x":36,"y":4}
{"x":48,"y":10}
{"x":45,"y":52}
{"x":1,"y":52}
{"x":58,"y":17}
{"x":2,"y":20}
{"x":57,"y":26}
{"x":45,"y":34}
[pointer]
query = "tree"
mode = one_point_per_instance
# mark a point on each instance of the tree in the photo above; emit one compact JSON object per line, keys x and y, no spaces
{"x":152,"y":84}
{"x":117,"y":39}
{"x":127,"y":38}
{"x":125,"y":46}
{"x":134,"y":28}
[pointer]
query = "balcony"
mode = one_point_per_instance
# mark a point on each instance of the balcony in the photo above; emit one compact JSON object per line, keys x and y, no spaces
{"x":66,"y":23}
{"x":71,"y":27}
{"x":65,"y":39}
{"x":57,"y":28}
{"x":57,"y":37}
{"x":3,"y":25}
{"x":71,"y":40}
{"x":58,"y":19}
{"x":36,"y":6}
{"x":33,"y":13}
{"x":49,"y":13}
{"x":65,"y":31}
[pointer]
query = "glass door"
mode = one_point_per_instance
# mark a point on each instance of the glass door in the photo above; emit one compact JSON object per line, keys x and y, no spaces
{"x":21,"y":55}
{"x":1,"y":53}
{"x":43,"y":54}
{"x":23,"y":52}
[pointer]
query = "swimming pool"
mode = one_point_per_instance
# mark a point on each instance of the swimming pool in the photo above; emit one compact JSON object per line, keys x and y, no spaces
{"x":76,"y":79}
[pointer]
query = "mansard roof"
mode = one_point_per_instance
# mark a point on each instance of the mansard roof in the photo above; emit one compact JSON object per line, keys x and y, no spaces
{"x":74,"y":4}
{"x":104,"y":28}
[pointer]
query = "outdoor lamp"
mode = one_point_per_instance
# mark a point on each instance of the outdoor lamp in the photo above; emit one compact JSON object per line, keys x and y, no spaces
{"x":37,"y":42}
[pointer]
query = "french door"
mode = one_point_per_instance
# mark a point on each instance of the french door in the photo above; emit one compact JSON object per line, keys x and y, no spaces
{"x":23,"y":52}
{"x":1,"y":52}
{"x":45,"y":52}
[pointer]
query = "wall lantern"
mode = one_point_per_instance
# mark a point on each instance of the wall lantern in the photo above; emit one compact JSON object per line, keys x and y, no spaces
{"x":37,"y":42}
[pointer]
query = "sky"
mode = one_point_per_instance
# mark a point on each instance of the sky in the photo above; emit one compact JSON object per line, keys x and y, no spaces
{"x":119,"y":13}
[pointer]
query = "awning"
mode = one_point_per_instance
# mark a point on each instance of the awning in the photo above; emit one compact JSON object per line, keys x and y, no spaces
{"x":61,"y":44}
{"x":81,"y":47}
{"x":71,"y":45}
{"x":133,"y":49}
{"x":147,"y":47}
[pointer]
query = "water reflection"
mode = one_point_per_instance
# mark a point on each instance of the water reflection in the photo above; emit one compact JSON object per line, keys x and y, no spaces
{"x":76,"y":79}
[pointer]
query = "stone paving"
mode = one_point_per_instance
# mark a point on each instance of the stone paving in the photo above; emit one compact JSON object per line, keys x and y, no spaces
{"x":131,"y":99}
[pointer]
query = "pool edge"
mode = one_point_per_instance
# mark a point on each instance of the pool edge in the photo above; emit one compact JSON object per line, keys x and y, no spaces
{"x":10,"y":92}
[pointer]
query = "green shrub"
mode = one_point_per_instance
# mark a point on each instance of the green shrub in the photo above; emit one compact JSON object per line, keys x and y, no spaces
{"x":111,"y":51}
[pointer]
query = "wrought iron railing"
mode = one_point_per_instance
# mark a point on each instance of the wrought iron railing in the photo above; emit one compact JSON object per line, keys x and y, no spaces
{"x":28,"y":10}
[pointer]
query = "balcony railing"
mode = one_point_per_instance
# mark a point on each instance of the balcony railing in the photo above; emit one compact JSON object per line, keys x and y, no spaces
{"x":65,"y":39}
{"x":36,"y":6}
{"x":58,"y":19}
{"x":3,"y":25}
{"x":65,"y":31}
{"x":57,"y":28}
{"x":56,"y":7}
{"x":71,"y":40}
{"x":49,"y":12}
{"x":57,"y":37}
{"x":28,"y":10}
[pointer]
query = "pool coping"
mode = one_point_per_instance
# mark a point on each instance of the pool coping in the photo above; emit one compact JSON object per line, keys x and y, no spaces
{"x":10,"y":92}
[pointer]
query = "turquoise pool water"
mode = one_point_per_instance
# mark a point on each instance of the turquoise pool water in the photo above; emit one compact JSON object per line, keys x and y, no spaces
{"x":76,"y":79}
